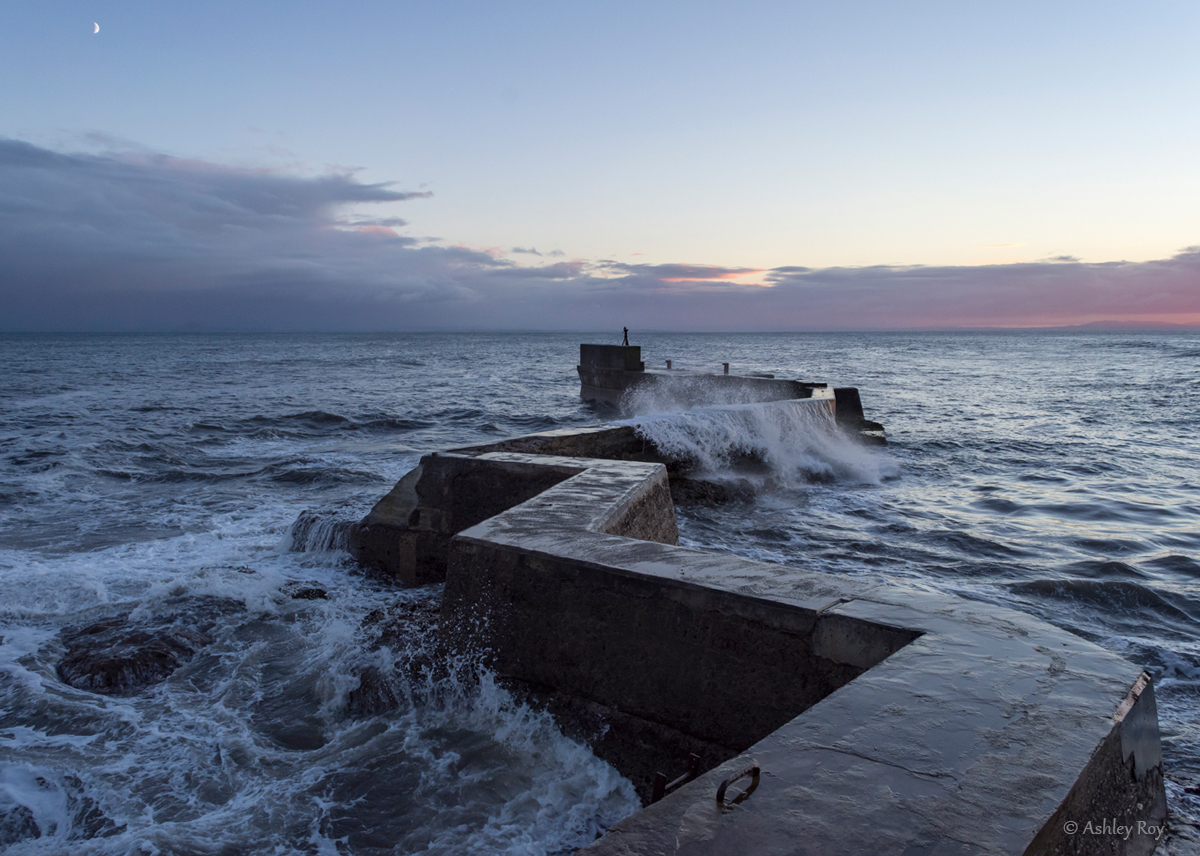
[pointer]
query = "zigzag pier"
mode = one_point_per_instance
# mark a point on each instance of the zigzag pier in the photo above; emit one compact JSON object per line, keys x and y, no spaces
{"x":760,"y":708}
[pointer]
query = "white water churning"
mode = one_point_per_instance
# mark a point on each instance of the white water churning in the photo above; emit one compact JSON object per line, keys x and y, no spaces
{"x":778,"y":444}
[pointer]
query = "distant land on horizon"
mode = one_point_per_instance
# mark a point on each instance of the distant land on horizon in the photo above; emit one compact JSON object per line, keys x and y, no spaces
{"x":1092,"y":327}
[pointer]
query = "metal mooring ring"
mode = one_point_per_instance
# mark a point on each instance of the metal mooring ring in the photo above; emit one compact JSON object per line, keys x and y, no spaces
{"x":752,"y":771}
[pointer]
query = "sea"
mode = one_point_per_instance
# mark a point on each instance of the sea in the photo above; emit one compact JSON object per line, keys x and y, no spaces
{"x":196,"y":488}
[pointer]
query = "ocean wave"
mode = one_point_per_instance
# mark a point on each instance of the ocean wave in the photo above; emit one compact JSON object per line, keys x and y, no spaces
{"x":780,"y":443}
{"x":1107,"y":509}
{"x":1116,"y":344}
{"x":530,"y":423}
{"x":461,"y":414}
{"x":1106,"y":570}
{"x":974,"y":546}
{"x":1118,"y":596}
{"x":314,"y":417}
{"x":391,"y":423}
{"x":1177,"y":564}
{"x":294,"y":424}
{"x":306,"y":472}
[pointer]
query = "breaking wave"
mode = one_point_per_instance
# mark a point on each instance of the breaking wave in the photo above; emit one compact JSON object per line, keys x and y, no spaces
{"x":779,"y":444}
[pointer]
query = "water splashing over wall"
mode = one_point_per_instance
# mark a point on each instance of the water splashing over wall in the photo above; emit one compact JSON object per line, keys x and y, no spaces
{"x":316,"y":531}
{"x":778,"y":444}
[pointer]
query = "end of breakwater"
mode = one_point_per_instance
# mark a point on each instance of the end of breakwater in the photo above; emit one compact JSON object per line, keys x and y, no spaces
{"x":616,"y":378}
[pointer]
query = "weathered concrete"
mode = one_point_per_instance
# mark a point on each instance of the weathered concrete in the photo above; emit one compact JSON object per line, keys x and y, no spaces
{"x":610,"y":442}
{"x":622,"y":389}
{"x":884,"y":718}
{"x":626,"y":358}
{"x":407,"y":534}
{"x":850,"y":412}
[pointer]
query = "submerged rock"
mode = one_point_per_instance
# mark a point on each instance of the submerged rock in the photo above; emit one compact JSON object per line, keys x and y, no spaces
{"x":408,"y":628}
{"x":373,"y":695}
{"x":402,"y":625}
{"x":112,"y":658}
{"x":18,"y":824}
{"x":699,"y":491}
{"x":306,"y":592}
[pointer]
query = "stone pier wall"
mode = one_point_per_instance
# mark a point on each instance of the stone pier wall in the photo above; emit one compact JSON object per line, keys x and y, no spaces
{"x":882,"y":717}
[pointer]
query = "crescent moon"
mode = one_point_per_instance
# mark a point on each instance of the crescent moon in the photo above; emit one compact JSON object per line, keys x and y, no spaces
{"x":97,"y":26}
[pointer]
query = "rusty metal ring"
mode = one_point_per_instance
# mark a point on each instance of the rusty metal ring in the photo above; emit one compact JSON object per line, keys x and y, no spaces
{"x":752,"y":771}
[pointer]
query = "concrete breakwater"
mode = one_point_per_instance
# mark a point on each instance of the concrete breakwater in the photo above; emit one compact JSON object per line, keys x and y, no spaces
{"x":796,"y":712}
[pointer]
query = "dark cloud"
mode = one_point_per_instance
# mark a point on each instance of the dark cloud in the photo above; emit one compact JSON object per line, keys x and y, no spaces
{"x":137,"y":241}
{"x":527,"y":250}
{"x":140,"y":241}
{"x":677,"y":272}
{"x":388,"y":222}
{"x":561,"y":270}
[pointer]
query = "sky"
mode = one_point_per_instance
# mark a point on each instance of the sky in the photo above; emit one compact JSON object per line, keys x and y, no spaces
{"x":671,"y":166}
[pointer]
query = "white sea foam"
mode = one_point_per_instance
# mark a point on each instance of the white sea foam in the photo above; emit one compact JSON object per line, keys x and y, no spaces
{"x":249,"y":746}
{"x":31,"y":797}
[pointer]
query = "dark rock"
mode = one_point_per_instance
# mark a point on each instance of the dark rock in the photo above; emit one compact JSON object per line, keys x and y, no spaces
{"x":374,"y":694}
{"x":408,"y":628}
{"x":308,"y":593}
{"x":17,"y":824}
{"x":112,"y":657}
{"x":402,"y":624}
{"x":690,"y":491}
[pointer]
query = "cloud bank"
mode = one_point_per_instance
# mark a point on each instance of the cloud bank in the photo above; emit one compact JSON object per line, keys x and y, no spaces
{"x":145,"y":242}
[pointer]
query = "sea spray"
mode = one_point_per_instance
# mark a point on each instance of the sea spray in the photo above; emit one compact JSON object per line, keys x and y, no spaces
{"x":253,"y":744}
{"x":779,"y":444}
{"x":687,"y":391}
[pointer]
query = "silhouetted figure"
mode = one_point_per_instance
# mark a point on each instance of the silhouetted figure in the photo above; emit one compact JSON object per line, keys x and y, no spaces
{"x":626,"y":342}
